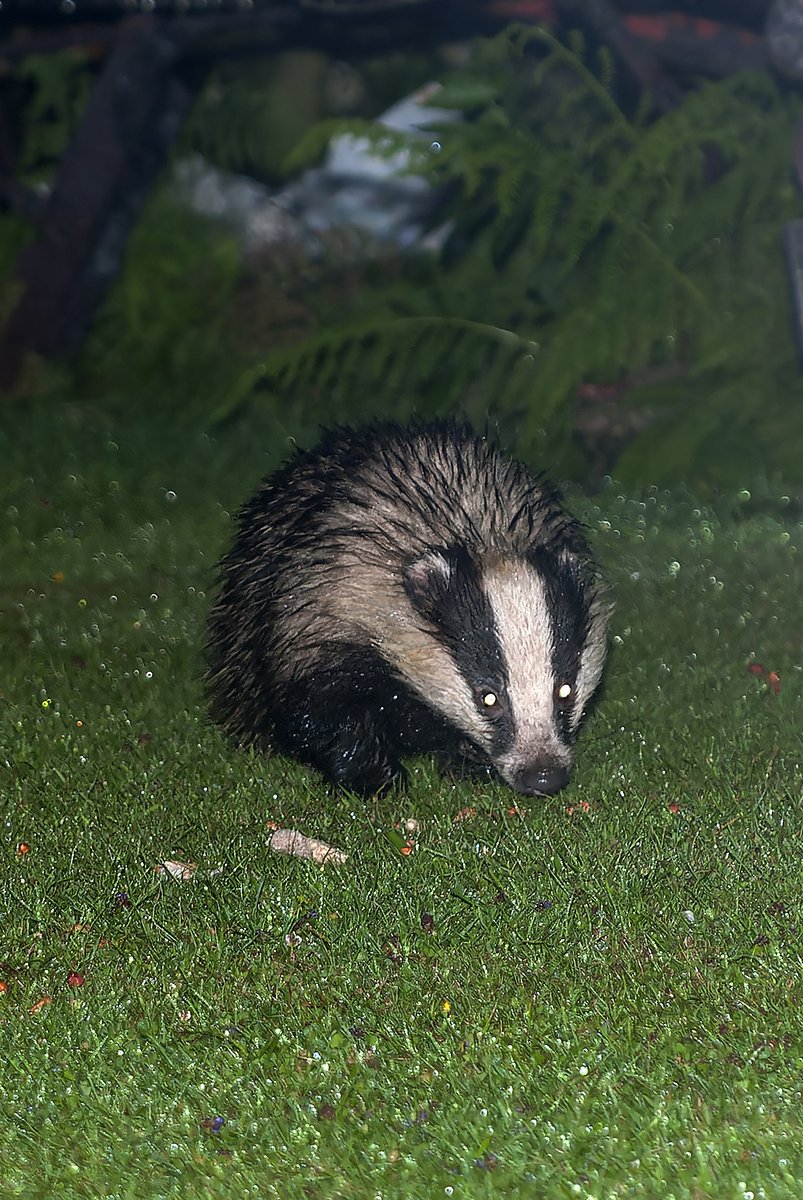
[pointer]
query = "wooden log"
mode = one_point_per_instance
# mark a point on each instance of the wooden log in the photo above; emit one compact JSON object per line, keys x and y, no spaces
{"x":133,"y":115}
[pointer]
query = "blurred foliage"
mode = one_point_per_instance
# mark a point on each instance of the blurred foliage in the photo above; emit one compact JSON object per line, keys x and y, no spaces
{"x":611,"y":293}
{"x":166,"y":333}
{"x":14,"y":233}
{"x":249,"y":115}
{"x":58,"y":87}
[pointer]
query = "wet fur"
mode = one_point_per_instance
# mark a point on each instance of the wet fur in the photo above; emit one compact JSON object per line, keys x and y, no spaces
{"x":377,"y":582}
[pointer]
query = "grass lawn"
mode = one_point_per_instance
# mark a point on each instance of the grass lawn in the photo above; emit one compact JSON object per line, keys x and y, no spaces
{"x":596,"y":995}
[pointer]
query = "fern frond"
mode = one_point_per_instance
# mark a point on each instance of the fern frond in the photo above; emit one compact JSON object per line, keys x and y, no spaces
{"x":589,"y":244}
{"x":396,"y":351}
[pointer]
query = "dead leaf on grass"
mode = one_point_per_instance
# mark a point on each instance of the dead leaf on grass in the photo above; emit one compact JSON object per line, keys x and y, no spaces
{"x":182,"y":872}
{"x":290,"y":841}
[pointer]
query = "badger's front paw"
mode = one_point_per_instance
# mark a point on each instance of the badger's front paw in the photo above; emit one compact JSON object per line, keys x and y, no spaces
{"x":362,"y":762}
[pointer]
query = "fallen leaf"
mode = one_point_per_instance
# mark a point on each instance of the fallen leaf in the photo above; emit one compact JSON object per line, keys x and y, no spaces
{"x":290,"y":841}
{"x":183,"y":872}
{"x":581,"y":806}
{"x":465,"y":814}
{"x":76,"y":979}
{"x":40,"y":1004}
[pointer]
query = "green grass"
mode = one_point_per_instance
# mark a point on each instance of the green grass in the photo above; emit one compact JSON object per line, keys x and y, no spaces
{"x":597,"y":997}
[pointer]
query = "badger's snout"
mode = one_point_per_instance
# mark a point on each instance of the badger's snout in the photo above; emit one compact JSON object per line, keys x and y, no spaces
{"x":541,"y":779}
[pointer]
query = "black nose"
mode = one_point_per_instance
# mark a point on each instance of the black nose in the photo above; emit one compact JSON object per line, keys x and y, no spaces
{"x":543,"y":779}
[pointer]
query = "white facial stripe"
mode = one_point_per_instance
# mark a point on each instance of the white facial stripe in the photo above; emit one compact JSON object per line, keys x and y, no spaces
{"x":517,"y":596}
{"x":384,"y":617}
{"x":431,"y":672}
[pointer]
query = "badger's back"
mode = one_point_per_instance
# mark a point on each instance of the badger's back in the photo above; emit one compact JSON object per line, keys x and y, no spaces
{"x":395,"y":548}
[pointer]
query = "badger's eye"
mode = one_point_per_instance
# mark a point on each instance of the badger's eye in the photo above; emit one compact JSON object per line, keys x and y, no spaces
{"x":490,"y":701}
{"x":563,"y":692}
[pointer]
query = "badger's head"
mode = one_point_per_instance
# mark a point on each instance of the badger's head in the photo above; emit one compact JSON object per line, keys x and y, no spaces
{"x":518,"y":648}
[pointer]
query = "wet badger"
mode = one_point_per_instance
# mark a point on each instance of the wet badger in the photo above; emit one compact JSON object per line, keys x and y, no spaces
{"x":404,"y":590}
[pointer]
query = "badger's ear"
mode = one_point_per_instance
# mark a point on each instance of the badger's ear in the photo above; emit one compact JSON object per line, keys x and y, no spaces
{"x":427,"y":581}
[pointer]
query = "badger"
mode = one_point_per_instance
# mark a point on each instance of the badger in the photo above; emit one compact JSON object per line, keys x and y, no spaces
{"x":402,"y":590}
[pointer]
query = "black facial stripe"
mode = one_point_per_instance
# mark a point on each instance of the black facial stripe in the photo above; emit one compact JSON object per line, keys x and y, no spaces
{"x":465,"y":625}
{"x":568,"y":613}
{"x":473,"y":640}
